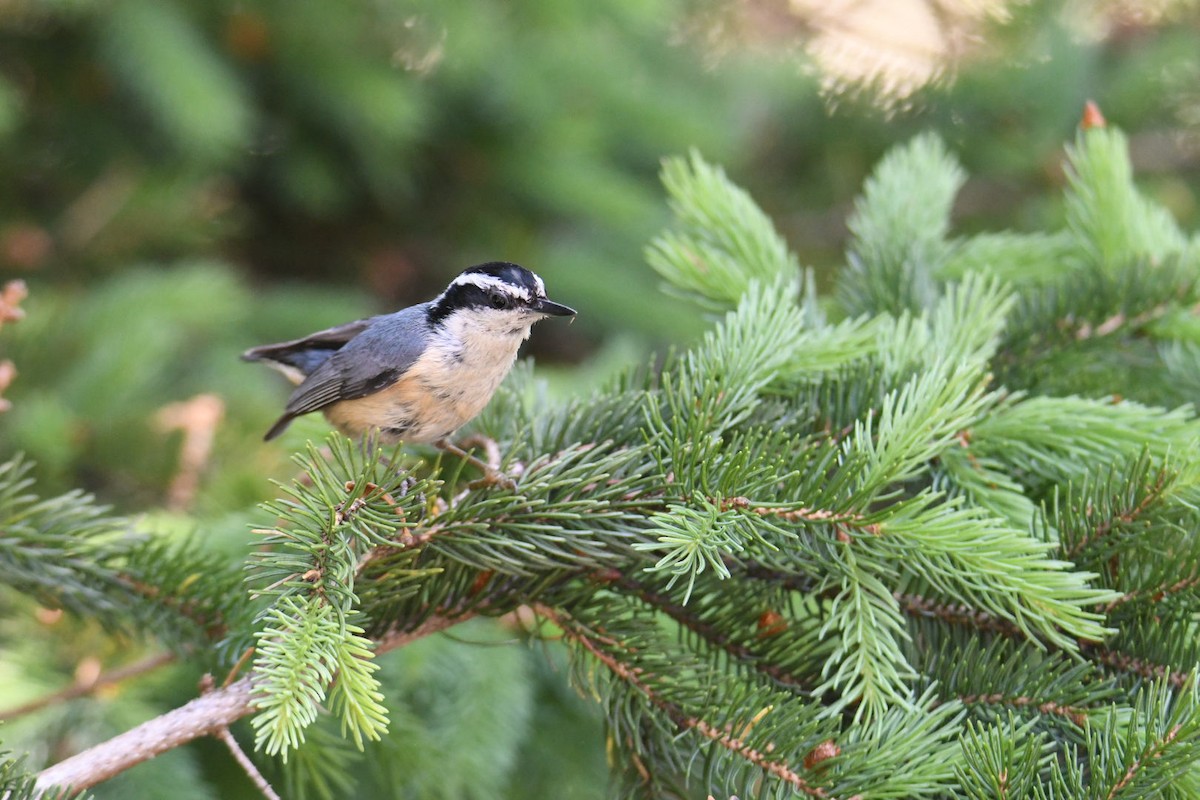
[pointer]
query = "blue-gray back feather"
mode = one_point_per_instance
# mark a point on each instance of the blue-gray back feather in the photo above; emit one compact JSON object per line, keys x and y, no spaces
{"x":369,"y":360}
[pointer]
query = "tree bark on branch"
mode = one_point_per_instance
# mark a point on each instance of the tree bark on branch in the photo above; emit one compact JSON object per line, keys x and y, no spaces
{"x":206,"y":715}
{"x":201,"y":717}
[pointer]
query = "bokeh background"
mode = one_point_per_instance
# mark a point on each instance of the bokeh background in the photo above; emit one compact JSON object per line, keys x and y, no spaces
{"x":182,"y":179}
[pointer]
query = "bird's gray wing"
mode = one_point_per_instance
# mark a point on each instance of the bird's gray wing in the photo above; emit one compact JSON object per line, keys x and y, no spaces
{"x":368,"y":363}
{"x":306,"y":354}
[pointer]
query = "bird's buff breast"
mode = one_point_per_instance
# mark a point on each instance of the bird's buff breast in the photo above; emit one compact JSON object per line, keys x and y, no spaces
{"x":442,"y":391}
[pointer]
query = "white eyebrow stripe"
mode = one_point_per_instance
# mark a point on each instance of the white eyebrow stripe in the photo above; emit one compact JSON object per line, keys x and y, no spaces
{"x":541,"y":287}
{"x":488,"y":282}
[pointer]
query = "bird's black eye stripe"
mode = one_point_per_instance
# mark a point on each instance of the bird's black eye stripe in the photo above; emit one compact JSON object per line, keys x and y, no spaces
{"x":462,"y":296}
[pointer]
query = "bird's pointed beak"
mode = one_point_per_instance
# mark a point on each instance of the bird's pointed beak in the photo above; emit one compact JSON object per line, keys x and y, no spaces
{"x":553,"y":309}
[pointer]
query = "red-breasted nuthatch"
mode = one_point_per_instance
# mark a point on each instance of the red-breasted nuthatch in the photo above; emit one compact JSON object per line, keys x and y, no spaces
{"x":420,"y":374}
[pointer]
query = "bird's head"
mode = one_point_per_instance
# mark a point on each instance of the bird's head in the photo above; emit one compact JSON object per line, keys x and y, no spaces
{"x":498,"y":296}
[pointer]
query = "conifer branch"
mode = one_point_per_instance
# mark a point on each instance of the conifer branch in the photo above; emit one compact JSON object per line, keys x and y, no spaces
{"x":1151,"y":754}
{"x":1075,"y":715}
{"x":1153,"y":494}
{"x":711,"y":634}
{"x":213,"y":629}
{"x":637,"y":679}
{"x":204,"y":716}
{"x":1154,"y":594}
{"x":1140,"y":666}
{"x":912,"y":604}
{"x":849,"y":519}
{"x":955,"y":614}
{"x":200,"y":717}
{"x":934,"y":499}
{"x":757,"y":570}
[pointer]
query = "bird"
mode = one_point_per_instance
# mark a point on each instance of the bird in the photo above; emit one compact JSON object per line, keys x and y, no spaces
{"x":419,"y":374}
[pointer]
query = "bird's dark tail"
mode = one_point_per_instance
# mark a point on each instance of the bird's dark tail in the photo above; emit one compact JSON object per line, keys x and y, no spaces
{"x":279,"y":427}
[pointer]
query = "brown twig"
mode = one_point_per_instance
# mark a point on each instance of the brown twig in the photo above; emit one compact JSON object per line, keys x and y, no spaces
{"x":1154,"y":492}
{"x":239,"y":755}
{"x":1154,"y":594}
{"x":490,"y":449}
{"x":1117,"y":322}
{"x":83,"y":688}
{"x":242,"y":661}
{"x":198,"y":419}
{"x":204,"y":716}
{"x":804,"y":514}
{"x":1137,"y":764}
{"x":189,"y":608}
{"x":954,"y":613}
{"x":1077,"y":715}
{"x":762,"y":572}
{"x":1139,"y":666}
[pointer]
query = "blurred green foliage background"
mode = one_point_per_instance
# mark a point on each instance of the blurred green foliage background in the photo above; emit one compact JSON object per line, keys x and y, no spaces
{"x":180,"y":180}
{"x":185,"y":179}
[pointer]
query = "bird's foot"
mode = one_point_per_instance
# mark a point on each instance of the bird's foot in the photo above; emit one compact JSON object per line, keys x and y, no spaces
{"x":406,"y":483}
{"x":492,"y":475}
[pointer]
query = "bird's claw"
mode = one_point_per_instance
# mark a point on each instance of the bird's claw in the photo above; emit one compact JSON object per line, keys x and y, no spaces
{"x":493,"y":477}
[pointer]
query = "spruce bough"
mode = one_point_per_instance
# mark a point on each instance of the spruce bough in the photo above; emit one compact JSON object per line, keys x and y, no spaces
{"x":934,"y":535}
